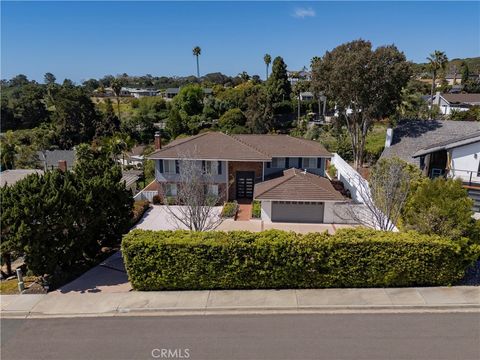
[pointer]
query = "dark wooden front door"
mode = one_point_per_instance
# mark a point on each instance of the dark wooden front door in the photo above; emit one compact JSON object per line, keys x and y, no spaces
{"x":244,"y":184}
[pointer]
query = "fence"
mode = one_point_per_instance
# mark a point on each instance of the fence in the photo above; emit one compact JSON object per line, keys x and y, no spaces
{"x":146,"y":194}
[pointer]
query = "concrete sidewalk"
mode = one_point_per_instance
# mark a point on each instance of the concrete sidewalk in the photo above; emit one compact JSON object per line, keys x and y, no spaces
{"x":458,"y":298}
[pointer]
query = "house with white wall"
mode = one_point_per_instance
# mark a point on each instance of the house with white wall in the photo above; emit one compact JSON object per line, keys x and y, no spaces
{"x":448,"y":102}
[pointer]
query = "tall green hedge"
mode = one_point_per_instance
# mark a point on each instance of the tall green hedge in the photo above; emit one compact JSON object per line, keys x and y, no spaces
{"x":174,"y":260}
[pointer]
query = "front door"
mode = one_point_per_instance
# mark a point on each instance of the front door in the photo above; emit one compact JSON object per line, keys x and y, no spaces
{"x":244,"y":184}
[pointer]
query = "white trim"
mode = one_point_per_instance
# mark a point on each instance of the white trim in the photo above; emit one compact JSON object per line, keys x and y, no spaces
{"x":304,"y":200}
{"x":242,"y":160}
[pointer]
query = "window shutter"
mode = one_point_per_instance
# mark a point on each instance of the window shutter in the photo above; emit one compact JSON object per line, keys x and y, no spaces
{"x":269,"y":164}
{"x":219,"y":168}
{"x":161,"y":166}
{"x":287,"y":163}
{"x":177,"y":167}
{"x":300,"y":162}
{"x":319,"y":163}
{"x":204,"y":167}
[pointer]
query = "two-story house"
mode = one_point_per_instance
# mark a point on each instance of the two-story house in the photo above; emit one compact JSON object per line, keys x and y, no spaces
{"x":240,"y":163}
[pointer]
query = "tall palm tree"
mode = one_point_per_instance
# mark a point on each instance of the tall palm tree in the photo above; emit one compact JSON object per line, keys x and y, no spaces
{"x":267,"y":59}
{"x":436,"y":61}
{"x":197,"y":52}
{"x":117,"y":89}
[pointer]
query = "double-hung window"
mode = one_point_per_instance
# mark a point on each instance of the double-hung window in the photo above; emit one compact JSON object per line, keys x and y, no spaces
{"x":212,"y":167}
{"x":309,"y":163}
{"x":278,"y":163}
{"x":171,"y":190}
{"x":169,"y":167}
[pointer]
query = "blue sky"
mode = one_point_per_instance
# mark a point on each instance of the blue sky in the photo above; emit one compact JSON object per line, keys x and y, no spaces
{"x":91,"y":39}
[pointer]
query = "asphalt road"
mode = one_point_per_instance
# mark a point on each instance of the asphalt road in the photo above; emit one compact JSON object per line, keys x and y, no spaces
{"x":328,"y":336}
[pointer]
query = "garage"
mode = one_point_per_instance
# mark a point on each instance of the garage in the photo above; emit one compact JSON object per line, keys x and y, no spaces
{"x":297,"y":211}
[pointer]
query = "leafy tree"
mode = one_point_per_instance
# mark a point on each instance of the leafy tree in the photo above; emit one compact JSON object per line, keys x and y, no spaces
{"x":439,"y":207}
{"x":189,"y":100}
{"x":49,"y":78}
{"x":465,"y":72}
{"x":18,"y":80}
{"x":278,"y":85}
{"x":9,"y":149}
{"x":365,"y":85}
{"x":259,"y":111}
{"x":232,"y":120}
{"x":174,"y":124}
{"x":108,"y":123}
{"x":436,"y":61}
{"x":267,"y":59}
{"x":116,"y":85}
{"x":197,"y":52}
{"x":244,"y":76}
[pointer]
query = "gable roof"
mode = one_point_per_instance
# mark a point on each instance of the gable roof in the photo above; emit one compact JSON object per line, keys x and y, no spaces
{"x":220,"y":146}
{"x":449,"y":144}
{"x":10,"y":177}
{"x":455,"y":98}
{"x":54,"y":156}
{"x":296,"y":185}
{"x":411,"y":136}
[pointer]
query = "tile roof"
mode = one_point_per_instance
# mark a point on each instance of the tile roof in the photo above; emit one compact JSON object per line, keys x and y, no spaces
{"x":10,"y":177}
{"x":411,"y":136}
{"x":220,"y":146}
{"x":296,"y":185}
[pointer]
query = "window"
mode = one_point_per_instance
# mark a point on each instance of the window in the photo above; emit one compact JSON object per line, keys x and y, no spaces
{"x":309,"y":163}
{"x":171,"y":190}
{"x":169,"y":166}
{"x":211,"y":167}
{"x":278,"y":163}
{"x":212,"y":189}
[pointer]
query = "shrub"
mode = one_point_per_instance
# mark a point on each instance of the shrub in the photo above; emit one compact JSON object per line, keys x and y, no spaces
{"x":156,"y":200}
{"x":230,"y":209}
{"x":256,"y":209}
{"x":139,"y":208}
{"x":332,"y":171}
{"x":169,"y":260}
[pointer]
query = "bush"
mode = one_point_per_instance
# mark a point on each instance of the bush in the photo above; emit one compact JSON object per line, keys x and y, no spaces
{"x":173,"y":260}
{"x":139,"y":208}
{"x":332,"y":171}
{"x":156,"y":200}
{"x":256,"y":209}
{"x":230,"y":209}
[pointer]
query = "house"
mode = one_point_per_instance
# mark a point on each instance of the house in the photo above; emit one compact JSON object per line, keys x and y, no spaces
{"x":138,"y":92}
{"x":285,"y":173}
{"x":170,"y":93}
{"x":10,"y":177}
{"x":448,"y":102}
{"x":134,"y":157}
{"x":306,"y":96}
{"x":440,"y":148}
{"x":49,"y":159}
{"x":130,"y":178}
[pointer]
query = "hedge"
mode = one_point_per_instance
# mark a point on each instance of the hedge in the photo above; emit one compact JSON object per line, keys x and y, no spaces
{"x":175,"y":260}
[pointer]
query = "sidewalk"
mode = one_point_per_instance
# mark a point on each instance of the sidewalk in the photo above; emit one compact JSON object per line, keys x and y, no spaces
{"x":55,"y":304}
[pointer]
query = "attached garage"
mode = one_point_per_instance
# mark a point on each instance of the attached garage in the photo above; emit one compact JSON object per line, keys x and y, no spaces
{"x":297,"y":211}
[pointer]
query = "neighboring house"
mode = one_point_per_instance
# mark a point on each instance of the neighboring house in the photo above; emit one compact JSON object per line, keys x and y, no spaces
{"x":448,"y":102}
{"x":295,"y":76}
{"x":440,"y":148}
{"x":170,"y":93}
{"x":246,"y":167}
{"x":10,"y":177}
{"x":49,"y":159}
{"x":306,"y":95}
{"x":130,"y":178}
{"x":134,"y":157}
{"x":138,"y":92}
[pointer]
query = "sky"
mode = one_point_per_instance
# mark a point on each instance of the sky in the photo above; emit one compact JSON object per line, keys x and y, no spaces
{"x":82,"y":40}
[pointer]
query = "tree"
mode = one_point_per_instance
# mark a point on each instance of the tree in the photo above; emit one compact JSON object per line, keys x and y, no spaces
{"x":232,"y":121}
{"x":385,"y":194}
{"x":439,"y":206}
{"x":174,"y":124}
{"x":116,"y":85}
{"x":49,"y":78}
{"x":108,"y":123}
{"x":197,"y":52}
{"x":299,"y":87}
{"x":267,"y":59}
{"x":465,"y":72}
{"x":365,"y":85}
{"x":278,"y":85}
{"x":436,"y":61}
{"x":9,"y":150}
{"x":198,"y":210}
{"x":259,"y":112}
{"x":244,"y":76}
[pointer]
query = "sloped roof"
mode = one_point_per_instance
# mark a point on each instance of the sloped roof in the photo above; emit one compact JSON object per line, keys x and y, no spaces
{"x":471,"y":99}
{"x":411,"y":136}
{"x":449,"y":144}
{"x":10,"y":177}
{"x":54,"y":156}
{"x":220,"y":146}
{"x":296,"y":185}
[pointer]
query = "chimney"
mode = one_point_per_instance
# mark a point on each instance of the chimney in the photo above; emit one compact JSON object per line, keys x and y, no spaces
{"x":389,"y":137}
{"x":62,"y":165}
{"x":437,"y":98}
{"x":158,"y":141}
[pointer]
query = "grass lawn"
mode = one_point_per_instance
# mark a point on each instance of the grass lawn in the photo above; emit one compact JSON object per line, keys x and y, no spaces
{"x":375,"y":141}
{"x":10,"y":287}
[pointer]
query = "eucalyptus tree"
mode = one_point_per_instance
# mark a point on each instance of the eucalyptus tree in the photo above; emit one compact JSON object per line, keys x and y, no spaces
{"x":197,"y":51}
{"x":267,"y":59}
{"x":436,"y":61}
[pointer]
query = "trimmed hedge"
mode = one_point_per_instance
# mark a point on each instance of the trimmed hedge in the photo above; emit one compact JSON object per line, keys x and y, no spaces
{"x":174,"y":260}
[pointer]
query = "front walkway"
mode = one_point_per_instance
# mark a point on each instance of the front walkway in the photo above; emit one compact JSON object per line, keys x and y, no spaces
{"x":458,"y":298}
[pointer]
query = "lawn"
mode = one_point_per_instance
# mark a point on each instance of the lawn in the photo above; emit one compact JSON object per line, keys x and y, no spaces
{"x":10,"y":287}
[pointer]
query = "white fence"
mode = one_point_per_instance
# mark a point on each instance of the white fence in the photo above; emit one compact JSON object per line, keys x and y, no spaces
{"x":146,"y":194}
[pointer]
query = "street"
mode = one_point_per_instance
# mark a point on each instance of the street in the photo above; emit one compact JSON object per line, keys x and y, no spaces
{"x":297,"y":336}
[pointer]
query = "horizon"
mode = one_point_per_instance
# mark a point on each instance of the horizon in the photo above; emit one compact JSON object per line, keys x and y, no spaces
{"x":110,"y":38}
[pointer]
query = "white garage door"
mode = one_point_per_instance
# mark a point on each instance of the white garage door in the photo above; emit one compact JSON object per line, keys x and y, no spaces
{"x":297,"y":211}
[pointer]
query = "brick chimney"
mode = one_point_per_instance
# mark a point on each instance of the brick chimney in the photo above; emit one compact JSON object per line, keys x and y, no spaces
{"x":62,"y":165}
{"x":158,"y":141}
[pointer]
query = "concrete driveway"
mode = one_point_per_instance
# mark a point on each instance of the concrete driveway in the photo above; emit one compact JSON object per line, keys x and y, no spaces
{"x":158,"y":218}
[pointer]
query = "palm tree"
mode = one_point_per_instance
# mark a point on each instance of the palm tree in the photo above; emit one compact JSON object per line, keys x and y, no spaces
{"x":197,"y":52}
{"x":267,"y":59}
{"x":436,"y":61}
{"x":117,"y":89}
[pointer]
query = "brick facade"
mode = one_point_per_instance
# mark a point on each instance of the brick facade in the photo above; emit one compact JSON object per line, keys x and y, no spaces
{"x":234,"y":166}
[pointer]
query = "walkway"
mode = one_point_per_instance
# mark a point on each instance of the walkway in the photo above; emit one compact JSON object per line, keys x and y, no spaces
{"x":457,"y":298}
{"x":244,"y":211}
